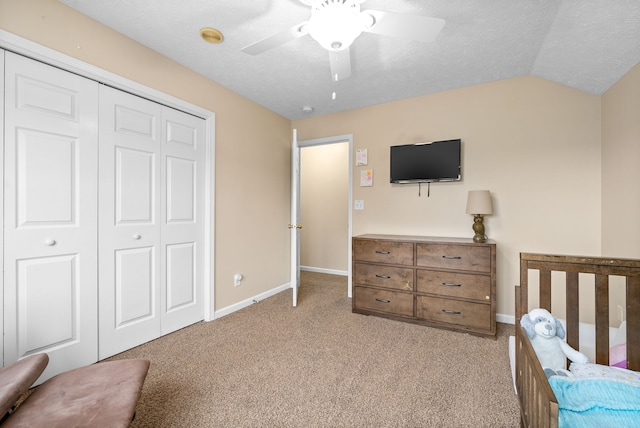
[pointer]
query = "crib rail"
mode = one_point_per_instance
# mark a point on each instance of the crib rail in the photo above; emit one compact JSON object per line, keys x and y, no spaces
{"x":538,"y":404}
{"x":603,"y":269}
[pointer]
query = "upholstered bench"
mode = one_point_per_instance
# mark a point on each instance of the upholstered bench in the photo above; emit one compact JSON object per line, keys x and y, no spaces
{"x":99,"y":395}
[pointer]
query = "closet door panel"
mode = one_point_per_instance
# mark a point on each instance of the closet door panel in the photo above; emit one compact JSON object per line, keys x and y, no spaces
{"x":50,"y":276}
{"x":129,"y":286}
{"x":134,"y":186}
{"x":34,"y":306}
{"x":181,"y":190}
{"x":181,"y":275}
{"x":183,"y":219}
{"x":45,"y":166}
{"x":134,"y":282}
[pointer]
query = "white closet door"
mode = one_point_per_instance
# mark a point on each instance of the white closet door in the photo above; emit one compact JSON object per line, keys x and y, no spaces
{"x":50,"y":233}
{"x":183,"y":178}
{"x":129,"y":221}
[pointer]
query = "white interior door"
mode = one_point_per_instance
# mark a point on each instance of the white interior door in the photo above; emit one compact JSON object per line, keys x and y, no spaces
{"x":182,"y":235}
{"x":295,"y":225}
{"x":50,"y":234}
{"x":129,"y":221}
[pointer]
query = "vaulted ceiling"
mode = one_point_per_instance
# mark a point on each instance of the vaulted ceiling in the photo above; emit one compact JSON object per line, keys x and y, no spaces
{"x":584,"y":44}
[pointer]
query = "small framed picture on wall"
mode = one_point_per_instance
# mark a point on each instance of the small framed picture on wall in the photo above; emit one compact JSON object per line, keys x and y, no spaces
{"x":366,"y":178}
{"x":361,"y":157}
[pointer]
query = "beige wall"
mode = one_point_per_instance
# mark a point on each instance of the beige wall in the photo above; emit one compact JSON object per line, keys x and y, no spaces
{"x":620,"y":167}
{"x":324,"y":207}
{"x":621,"y":174}
{"x":252,"y":143}
{"x":533,"y":143}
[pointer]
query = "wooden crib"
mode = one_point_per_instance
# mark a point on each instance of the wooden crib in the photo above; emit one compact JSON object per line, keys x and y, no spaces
{"x":538,"y":404}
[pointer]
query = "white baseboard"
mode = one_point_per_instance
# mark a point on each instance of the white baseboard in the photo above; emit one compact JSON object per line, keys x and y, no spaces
{"x":323,"y":270}
{"x":506,"y":319}
{"x":250,"y":301}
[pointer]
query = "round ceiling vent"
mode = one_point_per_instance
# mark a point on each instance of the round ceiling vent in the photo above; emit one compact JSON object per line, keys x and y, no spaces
{"x":211,"y":35}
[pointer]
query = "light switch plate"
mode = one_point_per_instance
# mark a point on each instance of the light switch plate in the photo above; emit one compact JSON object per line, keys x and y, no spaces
{"x":359,"y":204}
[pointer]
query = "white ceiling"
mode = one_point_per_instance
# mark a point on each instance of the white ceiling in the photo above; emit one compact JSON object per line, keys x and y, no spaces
{"x":585,"y":44}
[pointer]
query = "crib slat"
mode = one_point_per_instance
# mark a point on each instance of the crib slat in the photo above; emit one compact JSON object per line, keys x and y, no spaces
{"x":522,"y":302}
{"x":633,"y":322}
{"x":573,"y":310}
{"x":602,"y":319}
{"x":545,"y":289}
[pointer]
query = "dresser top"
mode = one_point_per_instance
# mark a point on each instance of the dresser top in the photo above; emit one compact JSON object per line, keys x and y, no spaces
{"x":415,"y":238}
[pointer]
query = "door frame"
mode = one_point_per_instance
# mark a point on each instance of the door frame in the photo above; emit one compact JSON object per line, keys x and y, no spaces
{"x":294,"y":226}
{"x":21,"y":46}
{"x":2,"y":84}
{"x":348,"y":138}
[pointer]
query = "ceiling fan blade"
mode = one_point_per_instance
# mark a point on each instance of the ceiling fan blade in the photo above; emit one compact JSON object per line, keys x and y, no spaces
{"x":276,"y":40}
{"x":412,"y":27}
{"x":340,"y":62}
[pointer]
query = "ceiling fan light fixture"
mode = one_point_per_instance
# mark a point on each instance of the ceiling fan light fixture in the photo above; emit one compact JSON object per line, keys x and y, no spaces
{"x":335,"y":24}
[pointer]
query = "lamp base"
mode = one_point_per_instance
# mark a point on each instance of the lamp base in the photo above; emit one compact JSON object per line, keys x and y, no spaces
{"x":478,"y":228}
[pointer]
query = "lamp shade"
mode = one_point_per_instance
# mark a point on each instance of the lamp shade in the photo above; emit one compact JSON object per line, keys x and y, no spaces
{"x":479,"y":202}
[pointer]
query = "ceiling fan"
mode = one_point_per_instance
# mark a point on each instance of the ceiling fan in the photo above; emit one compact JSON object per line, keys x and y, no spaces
{"x":335,"y":24}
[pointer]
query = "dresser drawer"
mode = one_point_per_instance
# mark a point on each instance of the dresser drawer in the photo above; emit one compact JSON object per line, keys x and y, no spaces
{"x":381,"y":251}
{"x":391,"y":302}
{"x":461,"y":257}
{"x":384,"y":276}
{"x":454,"y":312}
{"x":452,"y":284}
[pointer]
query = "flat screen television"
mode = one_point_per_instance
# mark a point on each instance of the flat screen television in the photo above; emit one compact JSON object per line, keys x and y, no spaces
{"x":426,"y":162}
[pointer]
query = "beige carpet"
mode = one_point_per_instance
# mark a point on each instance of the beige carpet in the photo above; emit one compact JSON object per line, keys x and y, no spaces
{"x":319,"y":365}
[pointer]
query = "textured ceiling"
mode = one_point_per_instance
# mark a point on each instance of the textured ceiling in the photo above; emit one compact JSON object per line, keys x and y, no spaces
{"x":585,"y":44}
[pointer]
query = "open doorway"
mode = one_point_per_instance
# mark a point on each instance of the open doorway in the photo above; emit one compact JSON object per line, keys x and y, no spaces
{"x":325,"y":203}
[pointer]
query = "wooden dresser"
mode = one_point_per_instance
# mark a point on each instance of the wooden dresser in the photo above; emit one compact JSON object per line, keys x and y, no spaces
{"x":440,"y":282}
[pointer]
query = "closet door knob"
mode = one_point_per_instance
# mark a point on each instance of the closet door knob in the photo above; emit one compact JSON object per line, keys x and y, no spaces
{"x":136,"y":236}
{"x":50,"y":242}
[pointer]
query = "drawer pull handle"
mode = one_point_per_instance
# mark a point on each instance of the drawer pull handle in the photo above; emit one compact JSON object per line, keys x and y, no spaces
{"x":383,"y":252}
{"x":445,"y":284}
{"x":452,"y":257}
{"x":447,"y":311}
{"x":383,"y":276}
{"x":383,"y":301}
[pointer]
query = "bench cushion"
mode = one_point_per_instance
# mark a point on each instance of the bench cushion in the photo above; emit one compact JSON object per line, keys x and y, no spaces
{"x":100,"y":395}
{"x":17,"y":378}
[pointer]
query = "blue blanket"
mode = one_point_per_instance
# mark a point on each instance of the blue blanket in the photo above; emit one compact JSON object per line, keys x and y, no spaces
{"x":596,"y":402}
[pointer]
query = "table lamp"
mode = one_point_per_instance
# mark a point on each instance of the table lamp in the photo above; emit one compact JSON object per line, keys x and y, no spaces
{"x":479,"y":204}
